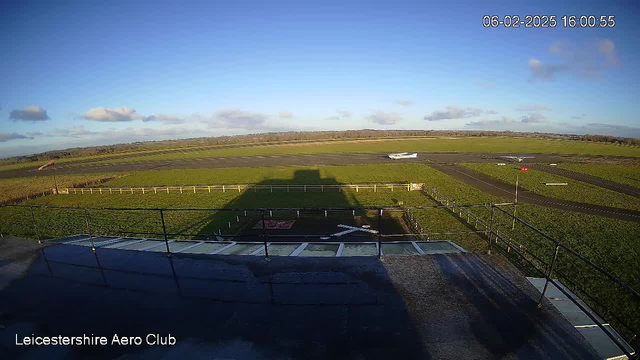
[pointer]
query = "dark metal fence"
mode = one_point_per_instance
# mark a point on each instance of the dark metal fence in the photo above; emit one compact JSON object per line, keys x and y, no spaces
{"x":544,"y":266}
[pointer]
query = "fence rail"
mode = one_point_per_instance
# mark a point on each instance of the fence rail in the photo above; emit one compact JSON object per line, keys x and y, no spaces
{"x":242,"y":187}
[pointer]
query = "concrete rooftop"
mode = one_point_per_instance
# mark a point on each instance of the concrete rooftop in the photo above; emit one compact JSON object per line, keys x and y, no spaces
{"x":462,"y":306}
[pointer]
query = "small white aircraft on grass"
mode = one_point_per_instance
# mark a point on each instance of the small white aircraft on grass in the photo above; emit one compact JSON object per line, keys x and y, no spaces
{"x":517,"y":158}
{"x":403,"y":155}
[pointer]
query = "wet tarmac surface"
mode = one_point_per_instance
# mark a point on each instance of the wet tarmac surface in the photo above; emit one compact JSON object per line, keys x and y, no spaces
{"x":239,"y":307}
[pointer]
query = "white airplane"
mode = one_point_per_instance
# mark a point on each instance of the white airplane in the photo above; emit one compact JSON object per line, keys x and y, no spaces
{"x":517,"y":158}
{"x":403,"y":155}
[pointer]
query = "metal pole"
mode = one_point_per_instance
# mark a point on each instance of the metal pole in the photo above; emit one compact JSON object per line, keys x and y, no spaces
{"x":264,"y":236}
{"x":33,"y":218}
{"x":164,"y":232}
{"x":513,"y":224}
{"x":491,"y":228}
{"x":546,"y":283}
{"x":379,"y":232}
{"x":55,"y":181}
{"x":86,"y":219}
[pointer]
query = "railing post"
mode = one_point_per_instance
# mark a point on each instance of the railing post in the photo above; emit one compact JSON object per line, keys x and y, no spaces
{"x":546,"y":283}
{"x":86,"y":219}
{"x":164,"y":232}
{"x":491,"y":228}
{"x":379,"y":233}
{"x":33,"y":218}
{"x":264,"y":236}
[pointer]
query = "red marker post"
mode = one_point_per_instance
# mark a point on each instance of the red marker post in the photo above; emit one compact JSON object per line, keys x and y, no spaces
{"x":524,"y":169}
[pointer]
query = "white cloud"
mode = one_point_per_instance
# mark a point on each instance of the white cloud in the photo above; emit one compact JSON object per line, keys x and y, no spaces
{"x":112,"y":114}
{"x":74,"y":132}
{"x":30,"y":113}
{"x":533,"y":119}
{"x":385,"y":118}
{"x":586,"y":60}
{"x":165,"y":119}
{"x":344,"y":113}
{"x":236,"y":119}
{"x":4,"y":137}
{"x":455,"y":112}
{"x":611,"y":129}
{"x":607,"y":48}
{"x":487,"y":123}
{"x":533,"y":107}
{"x":541,"y":71}
{"x":285,"y":115}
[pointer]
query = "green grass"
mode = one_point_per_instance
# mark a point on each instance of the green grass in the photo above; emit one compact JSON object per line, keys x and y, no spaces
{"x":611,"y":244}
{"x":533,"y":180}
{"x":499,"y":145}
{"x":624,"y":174}
{"x":13,"y":188}
{"x":398,"y":173}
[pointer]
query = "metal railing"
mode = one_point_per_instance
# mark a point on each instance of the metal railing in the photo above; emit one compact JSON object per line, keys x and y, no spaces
{"x":241,"y":187}
{"x":543,"y":267}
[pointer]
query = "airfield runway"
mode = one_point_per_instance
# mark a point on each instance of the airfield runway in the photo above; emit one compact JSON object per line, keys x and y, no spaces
{"x":443,"y":161}
{"x":289,"y":160}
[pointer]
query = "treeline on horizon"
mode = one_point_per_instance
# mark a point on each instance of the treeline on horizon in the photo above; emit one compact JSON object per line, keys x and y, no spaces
{"x":276,"y":137}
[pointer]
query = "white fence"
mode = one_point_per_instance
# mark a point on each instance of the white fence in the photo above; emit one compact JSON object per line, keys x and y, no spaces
{"x":243,"y":187}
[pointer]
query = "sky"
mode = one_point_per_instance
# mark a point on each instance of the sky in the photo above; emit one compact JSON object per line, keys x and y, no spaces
{"x":84,"y":73}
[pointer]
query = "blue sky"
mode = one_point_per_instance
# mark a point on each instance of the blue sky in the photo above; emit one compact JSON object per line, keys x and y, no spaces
{"x":90,"y":73}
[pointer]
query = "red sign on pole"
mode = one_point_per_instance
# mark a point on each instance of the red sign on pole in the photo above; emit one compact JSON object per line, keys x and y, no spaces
{"x":524,"y":169}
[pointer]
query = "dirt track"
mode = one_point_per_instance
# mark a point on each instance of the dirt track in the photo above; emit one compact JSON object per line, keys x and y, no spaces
{"x":493,"y":186}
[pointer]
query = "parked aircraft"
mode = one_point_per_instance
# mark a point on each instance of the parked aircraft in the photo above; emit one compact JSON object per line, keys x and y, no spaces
{"x":403,"y":155}
{"x":517,"y":158}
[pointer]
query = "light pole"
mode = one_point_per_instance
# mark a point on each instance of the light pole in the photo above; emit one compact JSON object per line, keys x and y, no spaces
{"x":48,"y":164}
{"x":55,"y":181}
{"x":513,"y":225}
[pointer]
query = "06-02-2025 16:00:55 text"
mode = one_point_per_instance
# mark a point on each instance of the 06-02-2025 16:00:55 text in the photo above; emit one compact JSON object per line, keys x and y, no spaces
{"x":549,"y":21}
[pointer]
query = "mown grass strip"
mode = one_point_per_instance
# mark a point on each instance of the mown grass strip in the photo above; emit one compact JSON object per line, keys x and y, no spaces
{"x":534,"y":181}
{"x":624,"y":174}
{"x":497,"y":145}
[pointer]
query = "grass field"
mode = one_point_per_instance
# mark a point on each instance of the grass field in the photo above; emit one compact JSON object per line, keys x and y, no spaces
{"x":610,"y":243}
{"x":280,"y":174}
{"x":625,"y":174}
{"x":13,"y":188}
{"x":533,"y":180}
{"x":498,"y":145}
